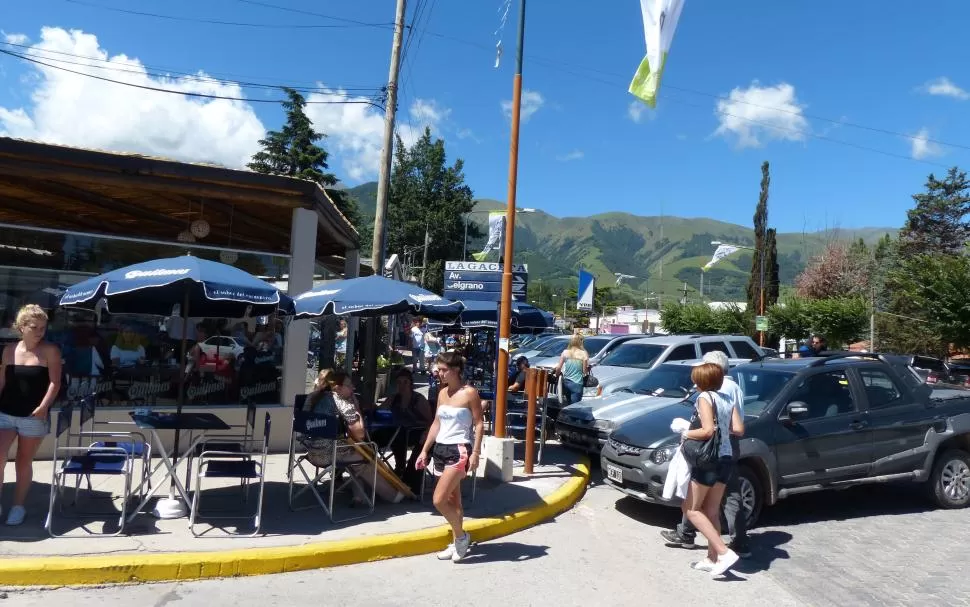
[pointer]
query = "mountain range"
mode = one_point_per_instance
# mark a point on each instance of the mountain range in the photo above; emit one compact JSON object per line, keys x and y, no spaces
{"x":660,"y":253}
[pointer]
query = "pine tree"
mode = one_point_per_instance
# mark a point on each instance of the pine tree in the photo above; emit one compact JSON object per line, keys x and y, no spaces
{"x":761,"y":254}
{"x":936,"y":224}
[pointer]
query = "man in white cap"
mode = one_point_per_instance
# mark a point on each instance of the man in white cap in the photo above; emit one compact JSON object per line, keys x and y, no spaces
{"x":737,"y":522}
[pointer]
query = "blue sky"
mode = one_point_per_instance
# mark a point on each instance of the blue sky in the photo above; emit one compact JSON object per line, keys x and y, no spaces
{"x":772,"y":69}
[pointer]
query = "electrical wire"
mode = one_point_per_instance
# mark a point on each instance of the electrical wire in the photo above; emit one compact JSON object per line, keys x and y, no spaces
{"x":183,"y":93}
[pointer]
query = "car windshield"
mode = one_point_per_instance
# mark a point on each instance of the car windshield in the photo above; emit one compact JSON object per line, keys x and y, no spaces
{"x":668,"y":380}
{"x":760,"y":386}
{"x":636,"y":356}
{"x":594,"y":344}
{"x":552,"y":348}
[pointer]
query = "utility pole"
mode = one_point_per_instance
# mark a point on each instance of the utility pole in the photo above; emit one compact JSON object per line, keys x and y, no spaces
{"x":505,"y":309}
{"x":379,"y":243}
{"x":872,"y":322}
{"x":660,"y":300}
{"x":685,"y":293}
{"x":702,"y":286}
{"x":424,"y":259}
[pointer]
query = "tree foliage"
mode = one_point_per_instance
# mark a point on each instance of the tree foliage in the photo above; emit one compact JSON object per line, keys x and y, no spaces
{"x":427,"y":194}
{"x":936,"y":224}
{"x":841,"y":270}
{"x":842,"y":320}
{"x":938,"y":286}
{"x":701,"y":318}
{"x":294,"y":151}
{"x":763,"y":257}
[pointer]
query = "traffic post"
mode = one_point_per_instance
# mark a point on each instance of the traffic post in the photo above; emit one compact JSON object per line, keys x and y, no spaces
{"x":531,"y":393}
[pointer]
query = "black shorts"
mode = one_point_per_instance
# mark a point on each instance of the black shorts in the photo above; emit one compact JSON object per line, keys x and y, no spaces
{"x":454,"y":457}
{"x":710,"y":475}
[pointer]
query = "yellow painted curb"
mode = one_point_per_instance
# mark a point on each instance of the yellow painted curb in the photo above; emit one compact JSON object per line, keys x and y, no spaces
{"x":113,"y":569}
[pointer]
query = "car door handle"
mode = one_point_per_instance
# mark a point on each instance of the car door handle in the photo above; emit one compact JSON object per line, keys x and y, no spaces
{"x":859,"y":425}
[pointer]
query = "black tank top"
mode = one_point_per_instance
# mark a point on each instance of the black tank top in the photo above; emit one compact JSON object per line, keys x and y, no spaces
{"x":24,"y":389}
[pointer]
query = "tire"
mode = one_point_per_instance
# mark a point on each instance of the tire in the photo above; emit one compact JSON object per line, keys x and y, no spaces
{"x":752,"y":493}
{"x":949,"y":485}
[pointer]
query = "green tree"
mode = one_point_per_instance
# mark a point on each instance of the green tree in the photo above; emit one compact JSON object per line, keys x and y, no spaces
{"x":701,"y":318}
{"x":294,"y":151}
{"x":936,"y":224}
{"x":762,"y":256}
{"x":428,"y":196}
{"x":842,"y":320}
{"x":938,"y":286}
{"x":790,"y":319}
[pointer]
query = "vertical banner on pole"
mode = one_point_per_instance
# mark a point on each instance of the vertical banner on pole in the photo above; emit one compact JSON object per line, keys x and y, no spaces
{"x":587,"y":287}
{"x":496,"y":235}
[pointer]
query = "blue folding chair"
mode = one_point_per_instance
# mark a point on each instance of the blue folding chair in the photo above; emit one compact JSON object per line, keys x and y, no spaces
{"x":239,"y":464}
{"x":133,"y":442}
{"x":318,"y":435}
{"x":85,"y":461}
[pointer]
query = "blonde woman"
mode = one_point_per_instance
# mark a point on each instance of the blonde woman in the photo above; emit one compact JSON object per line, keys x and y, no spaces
{"x":574,"y":366}
{"x":30,"y":379}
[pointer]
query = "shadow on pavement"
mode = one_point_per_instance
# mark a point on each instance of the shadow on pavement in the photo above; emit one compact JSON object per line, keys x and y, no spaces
{"x":504,"y":552}
{"x":847,"y":504}
{"x":655,"y":515}
{"x":765,"y":550}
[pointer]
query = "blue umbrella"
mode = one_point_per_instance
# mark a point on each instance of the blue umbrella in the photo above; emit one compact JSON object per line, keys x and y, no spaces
{"x":207,"y":288}
{"x":484,"y":315}
{"x":373,"y":296}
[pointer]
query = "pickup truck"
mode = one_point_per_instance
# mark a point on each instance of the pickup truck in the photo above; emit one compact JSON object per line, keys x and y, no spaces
{"x":830,"y":422}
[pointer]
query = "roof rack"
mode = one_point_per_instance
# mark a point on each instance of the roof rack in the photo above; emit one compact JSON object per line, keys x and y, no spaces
{"x":836,"y":354}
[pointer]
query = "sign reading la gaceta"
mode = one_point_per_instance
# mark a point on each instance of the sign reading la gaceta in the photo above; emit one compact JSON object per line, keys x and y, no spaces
{"x":482,"y":266}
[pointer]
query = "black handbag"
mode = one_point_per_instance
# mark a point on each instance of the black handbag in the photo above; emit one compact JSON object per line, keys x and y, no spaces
{"x":700,"y":453}
{"x":590,"y":381}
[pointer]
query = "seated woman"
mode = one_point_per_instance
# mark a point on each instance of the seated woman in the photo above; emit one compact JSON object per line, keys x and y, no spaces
{"x":333,"y":394}
{"x":412,"y":411}
{"x":127,"y":350}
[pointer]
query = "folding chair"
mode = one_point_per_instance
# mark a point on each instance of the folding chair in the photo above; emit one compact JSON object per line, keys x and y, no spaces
{"x":237,"y":463}
{"x":136,"y":445}
{"x":81,"y":461}
{"x":429,"y":474}
{"x":238,"y":443}
{"x":318,"y":436}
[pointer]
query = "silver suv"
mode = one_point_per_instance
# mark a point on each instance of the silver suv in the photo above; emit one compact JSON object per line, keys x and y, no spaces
{"x":631,"y":361}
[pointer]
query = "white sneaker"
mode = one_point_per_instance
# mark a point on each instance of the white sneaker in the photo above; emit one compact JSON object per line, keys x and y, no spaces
{"x":461,"y":547}
{"x":447,"y":553}
{"x":16,"y":516}
{"x":705,"y":565}
{"x":725,"y":562}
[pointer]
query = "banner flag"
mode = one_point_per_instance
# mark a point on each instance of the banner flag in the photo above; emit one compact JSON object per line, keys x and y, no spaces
{"x":496,"y":235}
{"x":722,"y":251}
{"x":659,"y":23}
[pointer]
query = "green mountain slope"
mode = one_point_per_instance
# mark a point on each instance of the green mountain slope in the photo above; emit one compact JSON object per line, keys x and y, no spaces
{"x":607,"y":243}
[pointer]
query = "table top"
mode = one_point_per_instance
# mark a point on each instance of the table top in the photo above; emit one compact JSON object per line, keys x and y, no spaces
{"x":376,"y":421}
{"x":185,"y":421}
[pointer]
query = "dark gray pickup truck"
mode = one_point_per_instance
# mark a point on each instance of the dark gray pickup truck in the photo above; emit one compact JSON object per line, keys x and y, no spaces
{"x":817,"y":423}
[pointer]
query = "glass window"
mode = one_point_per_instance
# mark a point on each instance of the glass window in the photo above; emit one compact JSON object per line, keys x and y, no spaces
{"x":638,"y":356}
{"x":684,"y":352}
{"x":669,"y":380}
{"x":132,"y":359}
{"x":743,"y":349}
{"x":826,"y":394}
{"x":759,"y":386}
{"x":594,"y":344}
{"x":931,"y":364}
{"x":714,"y":346}
{"x":881,"y":390}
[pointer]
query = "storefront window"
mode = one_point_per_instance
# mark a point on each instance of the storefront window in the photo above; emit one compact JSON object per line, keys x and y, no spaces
{"x":133,"y":360}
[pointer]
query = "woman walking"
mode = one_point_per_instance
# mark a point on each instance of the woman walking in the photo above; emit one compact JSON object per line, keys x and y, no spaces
{"x":29,"y":382}
{"x":457,"y":438}
{"x":702,"y":507}
{"x":574,"y":365}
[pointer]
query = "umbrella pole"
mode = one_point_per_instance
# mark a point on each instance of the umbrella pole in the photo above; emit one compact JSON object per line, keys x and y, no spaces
{"x":173,"y":506}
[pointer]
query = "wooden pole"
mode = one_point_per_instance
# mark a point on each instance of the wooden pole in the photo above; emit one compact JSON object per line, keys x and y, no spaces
{"x":505,"y":310}
{"x":531,"y":392}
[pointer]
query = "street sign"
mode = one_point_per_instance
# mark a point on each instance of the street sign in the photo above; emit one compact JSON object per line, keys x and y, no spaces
{"x":760,"y":323}
{"x":477,"y":280}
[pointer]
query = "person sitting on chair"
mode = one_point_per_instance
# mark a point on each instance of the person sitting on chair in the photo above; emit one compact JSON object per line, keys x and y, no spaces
{"x":522,"y":368}
{"x":410,"y":409}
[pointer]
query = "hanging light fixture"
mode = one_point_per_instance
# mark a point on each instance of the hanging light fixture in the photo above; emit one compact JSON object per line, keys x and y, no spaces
{"x":186,"y":236}
{"x":200,"y":227}
{"x":228,"y":257}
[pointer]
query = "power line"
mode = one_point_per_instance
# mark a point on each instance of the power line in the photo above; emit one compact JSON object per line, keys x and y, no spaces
{"x":221,"y":22}
{"x":176,"y":92}
{"x":314,"y":14}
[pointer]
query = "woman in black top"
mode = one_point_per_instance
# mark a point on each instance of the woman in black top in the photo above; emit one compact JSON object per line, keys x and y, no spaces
{"x":30,"y":379}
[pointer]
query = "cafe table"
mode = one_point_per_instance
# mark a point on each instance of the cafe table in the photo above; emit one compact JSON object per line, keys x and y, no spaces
{"x":153,"y":422}
{"x":381,"y":419}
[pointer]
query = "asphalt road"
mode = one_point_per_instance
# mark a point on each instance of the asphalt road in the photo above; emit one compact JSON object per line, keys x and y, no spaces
{"x":874,"y":546}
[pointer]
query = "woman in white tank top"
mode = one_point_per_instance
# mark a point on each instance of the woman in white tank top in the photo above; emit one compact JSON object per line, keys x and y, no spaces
{"x":456,"y":435}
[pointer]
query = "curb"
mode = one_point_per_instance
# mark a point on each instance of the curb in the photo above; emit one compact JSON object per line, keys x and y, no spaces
{"x":178,"y":566}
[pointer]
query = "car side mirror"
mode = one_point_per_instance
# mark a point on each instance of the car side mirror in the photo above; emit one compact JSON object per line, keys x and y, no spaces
{"x":796,"y":409}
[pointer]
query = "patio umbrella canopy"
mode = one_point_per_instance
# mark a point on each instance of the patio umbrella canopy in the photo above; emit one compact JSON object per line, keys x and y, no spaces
{"x":155,"y":287}
{"x":374,"y":296}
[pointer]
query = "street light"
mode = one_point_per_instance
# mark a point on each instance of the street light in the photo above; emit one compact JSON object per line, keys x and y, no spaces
{"x":464,"y":246}
{"x":761,"y":285}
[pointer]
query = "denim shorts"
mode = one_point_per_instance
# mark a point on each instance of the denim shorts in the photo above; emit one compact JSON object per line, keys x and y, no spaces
{"x":28,"y":427}
{"x":711,"y":474}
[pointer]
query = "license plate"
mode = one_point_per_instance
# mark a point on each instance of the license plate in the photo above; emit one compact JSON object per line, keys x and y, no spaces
{"x":614,"y":473}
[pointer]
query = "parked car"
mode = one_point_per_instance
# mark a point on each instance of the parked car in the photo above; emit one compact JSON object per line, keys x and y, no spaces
{"x":223,"y":346}
{"x":632,"y":360}
{"x":596,"y":346}
{"x":830,"y":422}
{"x":587,"y":424}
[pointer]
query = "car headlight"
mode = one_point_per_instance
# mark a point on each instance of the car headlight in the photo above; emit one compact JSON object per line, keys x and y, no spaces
{"x":605,"y":425}
{"x":663,"y":454}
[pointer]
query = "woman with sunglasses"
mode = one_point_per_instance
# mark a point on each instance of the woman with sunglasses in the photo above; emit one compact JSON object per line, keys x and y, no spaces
{"x":456,"y":435}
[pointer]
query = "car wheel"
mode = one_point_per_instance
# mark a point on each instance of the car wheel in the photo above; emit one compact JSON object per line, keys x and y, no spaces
{"x":752,"y":494}
{"x":950,"y":483}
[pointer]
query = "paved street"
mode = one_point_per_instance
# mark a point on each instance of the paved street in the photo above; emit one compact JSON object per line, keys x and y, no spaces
{"x":876,"y":546}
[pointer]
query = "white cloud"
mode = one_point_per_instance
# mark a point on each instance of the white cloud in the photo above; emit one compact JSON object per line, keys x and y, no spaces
{"x":944,"y":87}
{"x":467,"y":134}
{"x":355,"y":131}
{"x":14,"y":38}
{"x":921,"y":147}
{"x":74,"y":110}
{"x":574,"y":155}
{"x":636,"y":111}
{"x":532,"y":101}
{"x":757,"y":114}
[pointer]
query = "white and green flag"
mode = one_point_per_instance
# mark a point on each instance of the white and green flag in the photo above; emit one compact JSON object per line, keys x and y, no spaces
{"x":720,"y":253}
{"x":496,"y":235}
{"x":659,"y":23}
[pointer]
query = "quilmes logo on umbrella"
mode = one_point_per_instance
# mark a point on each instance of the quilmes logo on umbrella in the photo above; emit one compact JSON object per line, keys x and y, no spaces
{"x":156,"y":273}
{"x":323,"y":293}
{"x":427,"y":298}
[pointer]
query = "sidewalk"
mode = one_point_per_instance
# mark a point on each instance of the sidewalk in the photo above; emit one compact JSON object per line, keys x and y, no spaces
{"x":154,"y":549}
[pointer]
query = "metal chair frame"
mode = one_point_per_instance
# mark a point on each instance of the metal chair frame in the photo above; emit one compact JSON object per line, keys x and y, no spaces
{"x":249,"y":470}
{"x":84,"y":461}
{"x":429,"y":472}
{"x":140,"y":448}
